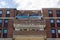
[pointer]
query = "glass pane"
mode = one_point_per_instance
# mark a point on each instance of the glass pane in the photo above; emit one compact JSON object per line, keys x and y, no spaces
{"x":4,"y":35}
{"x":0,"y":21}
{"x":6,"y":21}
{"x":52,"y":21}
{"x":5,"y":31}
{"x":53,"y":31}
{"x":50,"y":11}
{"x":7,"y":15}
{"x":8,"y":12}
{"x":58,"y":11}
{"x":58,"y":31}
{"x":0,"y":31}
{"x":0,"y":12}
{"x":58,"y":21}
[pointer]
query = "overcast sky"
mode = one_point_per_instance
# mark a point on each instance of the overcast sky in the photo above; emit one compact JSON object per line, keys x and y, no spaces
{"x":29,"y":4}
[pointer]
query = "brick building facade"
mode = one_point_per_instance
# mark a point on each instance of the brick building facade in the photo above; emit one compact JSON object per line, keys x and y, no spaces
{"x":51,"y":16}
{"x":29,"y":20}
{"x":6,"y":22}
{"x":29,"y":25}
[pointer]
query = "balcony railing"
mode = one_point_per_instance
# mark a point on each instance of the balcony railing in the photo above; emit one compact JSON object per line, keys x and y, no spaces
{"x":28,"y":25}
{"x":29,"y":33}
{"x":28,"y":17}
{"x":29,"y":21}
{"x":22,"y":16}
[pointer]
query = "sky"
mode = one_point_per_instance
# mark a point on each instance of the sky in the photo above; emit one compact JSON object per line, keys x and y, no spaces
{"x":29,"y":4}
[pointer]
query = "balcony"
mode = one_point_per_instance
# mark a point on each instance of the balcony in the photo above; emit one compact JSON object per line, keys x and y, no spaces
{"x":29,"y":33}
{"x":29,"y":24}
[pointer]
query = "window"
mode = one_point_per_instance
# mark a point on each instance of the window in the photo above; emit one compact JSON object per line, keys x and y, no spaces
{"x":33,"y":30}
{"x":53,"y":31}
{"x":0,"y":20}
{"x":52,"y":24}
{"x":50,"y":11}
{"x":58,"y":13}
{"x":5,"y":31}
{"x":51,"y":21}
{"x":4,"y":35}
{"x":58,"y":21}
{"x":6,"y":21}
{"x":58,"y":31}
{"x":0,"y":30}
{"x":0,"y":11}
{"x":5,"y":25}
{"x":7,"y":15}
{"x":8,"y":12}
{"x":21,"y":29}
{"x":25,"y":29}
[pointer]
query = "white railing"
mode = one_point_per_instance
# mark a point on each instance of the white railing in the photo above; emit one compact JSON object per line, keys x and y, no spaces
{"x":25,"y":25}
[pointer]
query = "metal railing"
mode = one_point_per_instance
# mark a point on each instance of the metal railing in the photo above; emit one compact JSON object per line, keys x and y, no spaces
{"x":28,"y":25}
